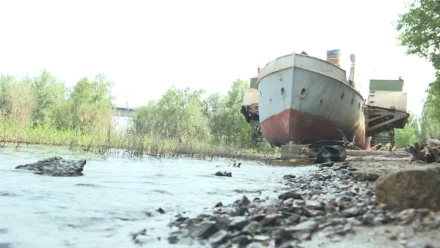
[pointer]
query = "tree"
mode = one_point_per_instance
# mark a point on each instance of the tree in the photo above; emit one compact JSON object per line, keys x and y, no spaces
{"x":419,"y":29}
{"x":89,"y":104}
{"x":22,"y":103}
{"x":408,"y":135}
{"x":178,"y":114}
{"x":5,"y":94}
{"x":49,"y":93}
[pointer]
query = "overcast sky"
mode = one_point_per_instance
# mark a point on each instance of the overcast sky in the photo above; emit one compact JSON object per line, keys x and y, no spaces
{"x":148,"y":46}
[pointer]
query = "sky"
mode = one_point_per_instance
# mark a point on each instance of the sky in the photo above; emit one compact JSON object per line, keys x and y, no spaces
{"x":146,"y":47}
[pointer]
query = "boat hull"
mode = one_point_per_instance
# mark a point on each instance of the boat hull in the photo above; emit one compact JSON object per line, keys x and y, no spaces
{"x":304,"y":99}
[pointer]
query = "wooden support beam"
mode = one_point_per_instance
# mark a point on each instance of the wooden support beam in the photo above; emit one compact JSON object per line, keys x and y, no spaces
{"x":377,"y":117}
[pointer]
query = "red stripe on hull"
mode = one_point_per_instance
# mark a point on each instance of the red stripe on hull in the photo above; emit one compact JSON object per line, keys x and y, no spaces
{"x":301,"y":127}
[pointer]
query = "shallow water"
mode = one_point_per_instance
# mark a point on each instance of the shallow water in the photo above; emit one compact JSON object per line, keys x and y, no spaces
{"x":112,"y":199}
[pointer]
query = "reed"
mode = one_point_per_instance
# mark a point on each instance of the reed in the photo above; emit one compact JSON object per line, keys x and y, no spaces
{"x":130,"y":145}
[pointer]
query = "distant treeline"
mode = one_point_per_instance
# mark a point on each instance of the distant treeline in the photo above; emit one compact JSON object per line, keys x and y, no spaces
{"x":182,"y":115}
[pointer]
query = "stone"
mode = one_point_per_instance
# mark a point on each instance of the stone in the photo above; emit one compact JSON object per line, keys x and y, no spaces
{"x":270,"y":219}
{"x":272,"y":211}
{"x":160,"y":210}
{"x":56,"y":166}
{"x":288,"y":177}
{"x":410,"y":188}
{"x":252,"y":228}
{"x":294,"y":218}
{"x":290,"y":194}
{"x":327,"y":164}
{"x":308,"y":226}
{"x":223,"y":174}
{"x":218,"y":238}
{"x":362,"y":176}
{"x":315,"y":205}
{"x":238,"y":223}
{"x":255,"y":245}
{"x":352,"y":212}
{"x":337,"y":153}
{"x":242,"y":240}
{"x":219,"y":204}
{"x":173,"y":239}
{"x":204,"y":229}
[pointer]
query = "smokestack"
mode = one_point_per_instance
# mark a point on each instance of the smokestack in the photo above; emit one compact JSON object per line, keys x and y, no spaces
{"x":334,"y":56}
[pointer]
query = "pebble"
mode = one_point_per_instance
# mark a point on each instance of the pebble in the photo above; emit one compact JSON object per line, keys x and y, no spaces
{"x":332,"y":201}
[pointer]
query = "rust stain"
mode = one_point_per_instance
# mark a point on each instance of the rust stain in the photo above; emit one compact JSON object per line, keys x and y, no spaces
{"x":307,"y":128}
{"x":281,"y":79}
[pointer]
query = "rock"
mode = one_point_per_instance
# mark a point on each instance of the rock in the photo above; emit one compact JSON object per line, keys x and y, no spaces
{"x":204,"y":229}
{"x":315,"y":205}
{"x":294,"y":218}
{"x":335,"y":153}
{"x":270,"y":219}
{"x":288,"y":177}
{"x":238,"y":223}
{"x":290,"y":194}
{"x":242,"y":240}
{"x":56,"y":166}
{"x":160,"y":210}
{"x":218,"y":238}
{"x":135,"y":238}
{"x":308,"y":226}
{"x":281,"y":236}
{"x":362,"y":176}
{"x":252,"y":228}
{"x":255,"y":245}
{"x":352,"y":212}
{"x":223,"y":174}
{"x":410,"y":188}
{"x":327,"y":164}
{"x":173,"y":239}
{"x":218,"y":205}
{"x":272,"y":211}
{"x":244,"y":201}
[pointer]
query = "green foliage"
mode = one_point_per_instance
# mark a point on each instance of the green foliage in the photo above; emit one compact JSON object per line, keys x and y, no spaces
{"x":46,"y":101}
{"x":188,"y":115}
{"x":408,"y":135}
{"x":43,"y":110}
{"x":419,"y":29}
{"x":49,"y":93}
{"x":90,"y":103}
{"x":227,"y":123}
{"x":5,"y":94}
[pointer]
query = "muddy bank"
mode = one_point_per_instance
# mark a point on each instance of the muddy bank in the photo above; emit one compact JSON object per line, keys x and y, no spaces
{"x":335,"y":206}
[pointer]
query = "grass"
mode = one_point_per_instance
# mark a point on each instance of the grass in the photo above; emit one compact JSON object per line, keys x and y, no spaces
{"x":133,"y":145}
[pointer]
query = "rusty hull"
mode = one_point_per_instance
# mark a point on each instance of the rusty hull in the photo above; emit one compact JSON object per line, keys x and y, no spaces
{"x":305,"y":128}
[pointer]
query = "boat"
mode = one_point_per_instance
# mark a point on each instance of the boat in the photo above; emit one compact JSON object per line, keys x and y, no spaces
{"x":304,"y":99}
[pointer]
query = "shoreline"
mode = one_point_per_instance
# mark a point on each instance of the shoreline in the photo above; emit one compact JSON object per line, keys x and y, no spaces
{"x":334,"y":206}
{"x":183,"y":151}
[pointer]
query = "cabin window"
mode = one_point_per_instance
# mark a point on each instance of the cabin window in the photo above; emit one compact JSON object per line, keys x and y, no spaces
{"x":342,"y":95}
{"x":320,"y":102}
{"x":352,"y":101}
{"x":303,"y":92}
